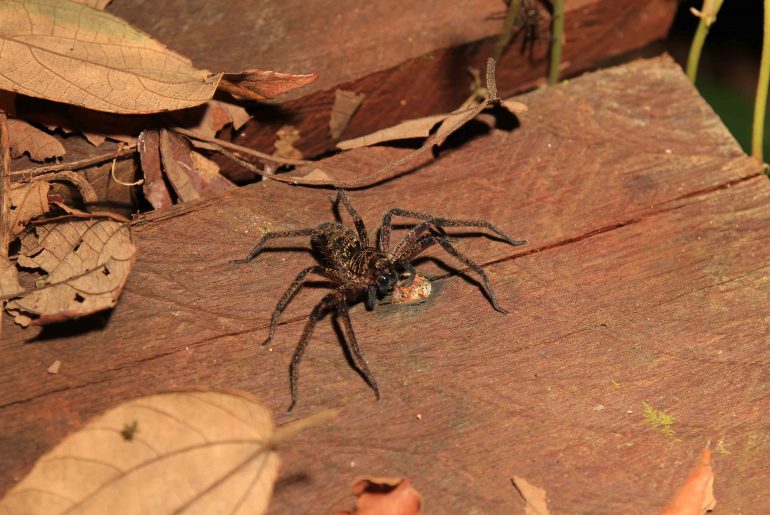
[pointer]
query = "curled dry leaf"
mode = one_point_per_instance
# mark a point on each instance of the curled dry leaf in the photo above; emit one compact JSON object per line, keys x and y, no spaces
{"x":191,"y":452}
{"x":696,"y":495}
{"x":87,"y":262}
{"x":386,"y":496}
{"x":28,"y":201}
{"x":533,"y":496}
{"x":345,"y":105}
{"x":38,"y":144}
{"x":94,"y":60}
{"x":262,"y":84}
{"x":154,"y":187}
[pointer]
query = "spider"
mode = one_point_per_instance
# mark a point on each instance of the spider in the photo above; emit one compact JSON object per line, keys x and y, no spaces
{"x":363,"y":272}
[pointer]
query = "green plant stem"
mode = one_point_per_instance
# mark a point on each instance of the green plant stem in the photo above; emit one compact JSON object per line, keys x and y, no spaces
{"x":558,"y":37}
{"x":760,"y":102}
{"x":708,"y":15}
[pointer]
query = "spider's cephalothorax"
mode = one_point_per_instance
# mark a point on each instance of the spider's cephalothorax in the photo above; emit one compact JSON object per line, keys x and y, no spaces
{"x":362,"y":272}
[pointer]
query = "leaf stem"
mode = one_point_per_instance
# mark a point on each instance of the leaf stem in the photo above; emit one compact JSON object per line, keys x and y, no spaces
{"x":556,"y":42}
{"x":760,"y":101}
{"x":707,"y":15}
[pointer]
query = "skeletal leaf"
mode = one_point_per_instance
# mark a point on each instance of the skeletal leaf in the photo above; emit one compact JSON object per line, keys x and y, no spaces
{"x":532,"y":495}
{"x":38,"y":144}
{"x":345,"y":105}
{"x":262,"y":84}
{"x":86,"y":262}
{"x":696,"y":495}
{"x":28,"y":200}
{"x":63,"y":51}
{"x":186,"y":452}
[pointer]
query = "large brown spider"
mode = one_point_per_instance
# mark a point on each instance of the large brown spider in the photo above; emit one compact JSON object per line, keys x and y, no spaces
{"x":363,"y":272}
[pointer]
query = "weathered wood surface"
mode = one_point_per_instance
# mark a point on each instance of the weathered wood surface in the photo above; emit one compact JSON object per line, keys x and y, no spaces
{"x":645,"y":279}
{"x":385,"y":49}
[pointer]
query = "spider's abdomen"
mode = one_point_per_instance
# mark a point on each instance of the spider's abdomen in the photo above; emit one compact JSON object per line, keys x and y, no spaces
{"x":335,"y":245}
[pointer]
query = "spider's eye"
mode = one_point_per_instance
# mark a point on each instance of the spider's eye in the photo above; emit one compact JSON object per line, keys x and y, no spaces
{"x":383,"y":279}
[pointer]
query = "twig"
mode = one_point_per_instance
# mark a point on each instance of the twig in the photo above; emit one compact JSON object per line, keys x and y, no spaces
{"x":707,"y":15}
{"x":29,"y":173}
{"x":242,"y":149}
{"x":558,"y":38}
{"x":760,"y":102}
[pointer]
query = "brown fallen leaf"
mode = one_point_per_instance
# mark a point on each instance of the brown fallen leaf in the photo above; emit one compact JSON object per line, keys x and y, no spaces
{"x":154,"y":187}
{"x":87,"y":263}
{"x":696,"y":495}
{"x":177,"y":163}
{"x":212,"y":450}
{"x":345,"y":105}
{"x":9,"y":278}
{"x":38,"y":144}
{"x":532,"y":495}
{"x":28,"y":201}
{"x":210,"y":118}
{"x":78,"y":180}
{"x":210,"y":180}
{"x":288,"y":135}
{"x":416,"y":128}
{"x":262,"y":84}
{"x":96,"y":4}
{"x":93,"y":59}
{"x":385,"y":496}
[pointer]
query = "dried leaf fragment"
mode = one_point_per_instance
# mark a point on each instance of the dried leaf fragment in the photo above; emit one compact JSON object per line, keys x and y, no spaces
{"x":38,"y":144}
{"x":261,"y":84}
{"x":154,"y":187}
{"x":87,"y":262}
{"x":67,"y":52}
{"x":696,"y":495}
{"x":532,"y":495}
{"x":416,"y":128}
{"x":346,"y":103}
{"x":288,"y":135}
{"x":28,"y":201}
{"x":210,"y":449}
{"x":386,"y":496}
{"x":9,"y":278}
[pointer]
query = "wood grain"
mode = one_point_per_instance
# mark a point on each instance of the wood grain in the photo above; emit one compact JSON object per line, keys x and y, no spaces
{"x":645,"y":279}
{"x":387,"y":50}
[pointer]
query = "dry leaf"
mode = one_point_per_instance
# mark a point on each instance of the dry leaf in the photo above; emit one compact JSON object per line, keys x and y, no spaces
{"x":54,"y":368}
{"x":262,"y":84}
{"x":67,"y":52}
{"x":208,"y":120}
{"x":38,"y":144}
{"x":386,"y":496}
{"x":532,"y":495}
{"x":87,"y":191}
{"x":284,"y":145}
{"x":87,"y":262}
{"x":191,"y":452}
{"x":96,"y":4}
{"x":317,"y":175}
{"x":175,"y":154}
{"x":238,"y":115}
{"x":210,"y":181}
{"x":416,"y":128}
{"x":696,"y":495}
{"x":154,"y":186}
{"x":345,"y":105}
{"x":28,"y":200}
{"x":9,"y":278}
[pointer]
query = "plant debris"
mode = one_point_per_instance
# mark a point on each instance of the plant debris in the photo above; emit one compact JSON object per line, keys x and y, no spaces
{"x":346,"y":103}
{"x":696,"y":495}
{"x":385,"y":496}
{"x":534,"y":497}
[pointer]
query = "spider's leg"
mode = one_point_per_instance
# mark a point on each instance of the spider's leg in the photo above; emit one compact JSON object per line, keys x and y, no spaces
{"x":447,"y":222}
{"x":315,"y":315}
{"x":476,"y":268}
{"x":363,"y":237}
{"x":352,"y":345}
{"x":292,"y":291}
{"x":271,"y":236}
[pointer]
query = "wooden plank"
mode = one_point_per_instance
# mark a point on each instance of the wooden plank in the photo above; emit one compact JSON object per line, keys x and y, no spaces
{"x":645,"y":279}
{"x":386,"y":50}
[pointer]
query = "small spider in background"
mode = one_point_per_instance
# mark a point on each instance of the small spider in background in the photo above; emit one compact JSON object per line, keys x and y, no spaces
{"x":363,"y":272}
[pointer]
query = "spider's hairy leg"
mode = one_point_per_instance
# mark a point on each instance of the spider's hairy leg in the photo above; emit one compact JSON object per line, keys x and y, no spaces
{"x":330,"y":300}
{"x":271,"y":236}
{"x":352,"y":346}
{"x":447,"y":222}
{"x":363,"y":236}
{"x":294,"y":288}
{"x":429,"y":240}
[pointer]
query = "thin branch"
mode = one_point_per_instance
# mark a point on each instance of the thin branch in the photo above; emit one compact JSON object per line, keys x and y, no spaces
{"x":241,"y":149}
{"x":509,"y":26}
{"x":29,"y":173}
{"x":556,"y":42}
{"x":760,"y":102}
{"x":707,"y":15}
{"x":5,"y":196}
